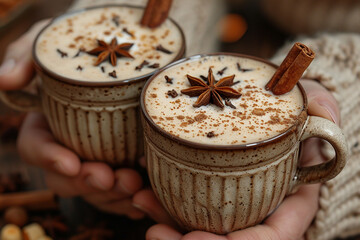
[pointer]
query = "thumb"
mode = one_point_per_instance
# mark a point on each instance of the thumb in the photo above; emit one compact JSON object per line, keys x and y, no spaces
{"x":17,"y":69}
{"x":321,"y":102}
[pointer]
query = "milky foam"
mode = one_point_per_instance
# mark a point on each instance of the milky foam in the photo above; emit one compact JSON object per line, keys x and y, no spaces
{"x":81,"y":30}
{"x":259,"y":115}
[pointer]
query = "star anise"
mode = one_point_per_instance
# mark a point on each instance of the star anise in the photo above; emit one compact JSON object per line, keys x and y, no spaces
{"x":111,"y":51}
{"x":211,"y":92}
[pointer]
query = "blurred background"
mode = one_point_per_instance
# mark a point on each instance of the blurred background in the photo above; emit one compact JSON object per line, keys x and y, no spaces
{"x":251,"y":27}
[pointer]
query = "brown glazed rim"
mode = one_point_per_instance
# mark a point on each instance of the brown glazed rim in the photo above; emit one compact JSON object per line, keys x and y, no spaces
{"x":41,"y":68}
{"x":213,"y":146}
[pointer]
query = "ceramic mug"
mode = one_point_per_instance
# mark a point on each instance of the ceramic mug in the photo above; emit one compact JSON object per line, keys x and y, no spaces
{"x":223,"y":188}
{"x":97,"y":118}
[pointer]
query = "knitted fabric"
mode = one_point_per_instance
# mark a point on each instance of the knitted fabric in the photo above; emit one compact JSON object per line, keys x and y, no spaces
{"x":337,"y":67}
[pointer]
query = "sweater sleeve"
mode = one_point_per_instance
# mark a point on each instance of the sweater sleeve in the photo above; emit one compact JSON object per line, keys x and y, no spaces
{"x":337,"y":67}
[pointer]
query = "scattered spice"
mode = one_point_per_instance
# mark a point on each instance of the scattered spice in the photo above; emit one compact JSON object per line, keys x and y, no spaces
{"x":236,"y":82}
{"x":243,"y":69}
{"x":274,"y":119}
{"x":110,"y":51}
{"x":102,"y":69}
{"x":229,"y":103}
{"x":79,"y":68}
{"x":172,"y":93}
{"x":78,"y":38}
{"x":210,"y":92}
{"x":168,"y":80}
{"x":116,"y":20}
{"x":62,"y":54}
{"x":125,"y":30}
{"x":221,"y":72}
{"x":155,"y":65}
{"x":78,"y":53}
{"x":210,"y":134}
{"x":143,"y":64}
{"x":162,"y":49}
{"x":200,"y":117}
{"x":113,"y":74}
{"x":258,"y":112}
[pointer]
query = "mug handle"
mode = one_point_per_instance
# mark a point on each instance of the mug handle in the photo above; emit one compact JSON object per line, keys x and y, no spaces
{"x":329,"y":131}
{"x":21,"y":100}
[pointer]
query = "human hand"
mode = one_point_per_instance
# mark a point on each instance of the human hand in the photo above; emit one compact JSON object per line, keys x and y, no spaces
{"x":96,"y":182}
{"x":290,"y":220}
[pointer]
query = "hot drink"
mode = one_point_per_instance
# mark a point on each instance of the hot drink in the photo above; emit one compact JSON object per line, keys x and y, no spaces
{"x":222,"y":151}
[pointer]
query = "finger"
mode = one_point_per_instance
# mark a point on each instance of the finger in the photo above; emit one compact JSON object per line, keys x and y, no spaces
{"x":17,"y":70}
{"x":289,"y":221}
{"x":311,"y":152}
{"x":162,"y":231}
{"x":146,"y":201}
{"x":128,"y":181}
{"x":321,"y":102}
{"x":92,"y":178}
{"x":37,"y":146}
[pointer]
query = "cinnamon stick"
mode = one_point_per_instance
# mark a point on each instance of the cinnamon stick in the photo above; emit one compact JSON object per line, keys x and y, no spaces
{"x":155,"y":13}
{"x":291,"y":69}
{"x":32,"y":200}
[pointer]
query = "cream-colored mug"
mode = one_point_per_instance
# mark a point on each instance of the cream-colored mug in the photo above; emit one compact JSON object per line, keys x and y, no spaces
{"x":223,"y":168}
{"x":90,"y":99}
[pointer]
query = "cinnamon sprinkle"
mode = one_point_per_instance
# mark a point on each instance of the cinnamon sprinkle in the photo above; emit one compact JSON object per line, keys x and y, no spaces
{"x":162,"y":49}
{"x":62,"y":53}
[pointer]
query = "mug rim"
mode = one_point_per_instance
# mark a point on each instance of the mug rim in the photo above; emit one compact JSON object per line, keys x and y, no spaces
{"x":206,"y":146}
{"x":43,"y":69}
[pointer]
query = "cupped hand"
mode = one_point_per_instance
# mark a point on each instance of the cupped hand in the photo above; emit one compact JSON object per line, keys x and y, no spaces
{"x":290,"y":220}
{"x":96,"y":182}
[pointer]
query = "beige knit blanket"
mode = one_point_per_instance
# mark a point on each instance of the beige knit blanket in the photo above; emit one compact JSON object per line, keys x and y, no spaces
{"x":337,"y":67}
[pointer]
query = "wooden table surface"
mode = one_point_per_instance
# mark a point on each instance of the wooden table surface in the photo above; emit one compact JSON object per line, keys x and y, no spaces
{"x":261,"y":39}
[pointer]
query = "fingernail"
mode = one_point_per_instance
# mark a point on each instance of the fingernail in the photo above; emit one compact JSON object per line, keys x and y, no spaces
{"x":95,"y":183}
{"x":330,"y":111}
{"x":140,"y":208}
{"x":7,"y":66}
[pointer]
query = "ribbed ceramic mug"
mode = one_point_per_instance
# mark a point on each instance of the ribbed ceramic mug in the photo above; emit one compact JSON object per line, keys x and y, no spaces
{"x":98,"y":119}
{"x":221,"y":189}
